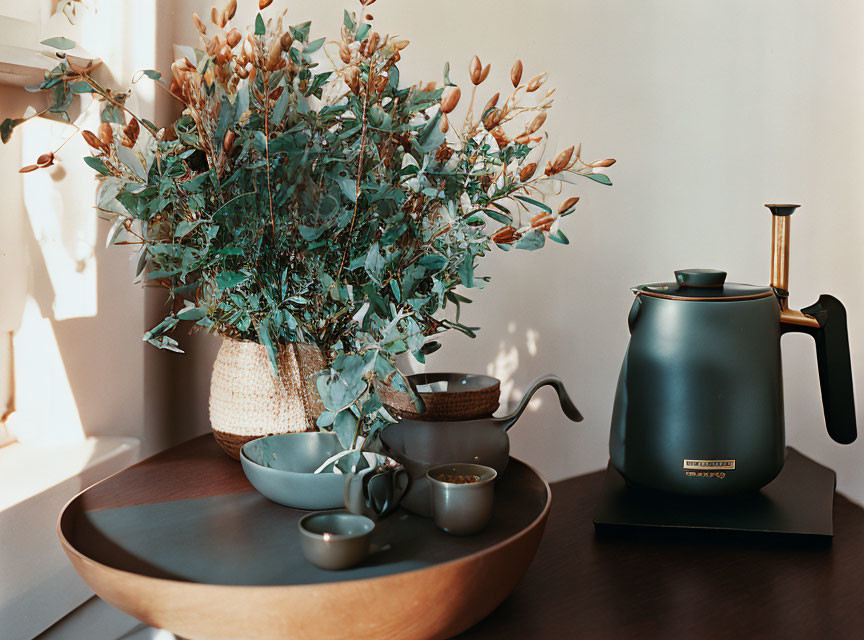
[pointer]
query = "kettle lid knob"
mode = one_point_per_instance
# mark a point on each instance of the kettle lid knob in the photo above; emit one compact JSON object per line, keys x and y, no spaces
{"x":700,"y":277}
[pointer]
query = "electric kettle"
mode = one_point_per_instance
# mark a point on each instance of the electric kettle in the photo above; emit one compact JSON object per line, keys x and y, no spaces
{"x":699,"y":403}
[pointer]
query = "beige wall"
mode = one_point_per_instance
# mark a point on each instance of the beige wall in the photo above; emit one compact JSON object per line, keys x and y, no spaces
{"x":712,"y":108}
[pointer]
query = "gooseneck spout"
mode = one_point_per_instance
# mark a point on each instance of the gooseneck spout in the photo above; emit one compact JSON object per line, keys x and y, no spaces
{"x":567,"y":405}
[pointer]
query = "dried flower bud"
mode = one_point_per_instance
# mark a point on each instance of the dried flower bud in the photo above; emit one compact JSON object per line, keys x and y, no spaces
{"x":516,"y":73}
{"x":286,"y":41}
{"x":450,"y":99}
{"x":241,"y":71}
{"x":475,"y":68}
{"x":429,"y":86}
{"x":230,"y":9}
{"x":367,"y":3}
{"x":527,"y":171}
{"x":522,"y":138}
{"x":374,"y":40}
{"x":569,"y":203}
{"x":505,"y":235}
{"x":263,"y":4}
{"x":562,"y":159}
{"x":274,"y":58}
{"x":485,"y":73}
{"x":400,"y":44}
{"x":500,"y":137}
{"x":132,"y":130}
{"x":106,"y":135}
{"x":492,"y":119}
{"x":93,"y":141}
{"x":344,"y":52}
{"x":380,"y":84}
{"x":249,"y":49}
{"x":542,"y":222}
{"x":45,"y":160}
{"x":233,"y":38}
{"x":228,"y":141}
{"x":212,"y":46}
{"x":215,"y":15}
{"x":491,"y":103}
{"x":608,"y":162}
{"x":352,"y":79}
{"x":535,"y":83}
{"x":202,"y":28}
{"x":445,"y":124}
{"x":220,"y":20}
{"x":443,"y":153}
{"x":537,"y":122}
{"x":28,"y":168}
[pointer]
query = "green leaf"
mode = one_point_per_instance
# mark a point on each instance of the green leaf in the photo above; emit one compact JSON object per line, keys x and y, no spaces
{"x":598,"y":177}
{"x":466,"y":271}
{"x":536,"y":203}
{"x":152,"y":74}
{"x":531,"y":241}
{"x":191,"y":313}
{"x":131,"y":161}
{"x":313,"y":46}
{"x":345,"y":426}
{"x":347,"y":21}
{"x":97,"y":164}
{"x":374,"y":264}
{"x":559,"y":237}
{"x":433,"y":262}
{"x":230,"y":279}
{"x":260,"y":29}
{"x":63,"y":44}
{"x":497,"y":216}
{"x":265,"y":339}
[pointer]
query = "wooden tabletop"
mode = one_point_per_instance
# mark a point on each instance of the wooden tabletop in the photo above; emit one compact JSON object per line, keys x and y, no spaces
{"x":581,"y":586}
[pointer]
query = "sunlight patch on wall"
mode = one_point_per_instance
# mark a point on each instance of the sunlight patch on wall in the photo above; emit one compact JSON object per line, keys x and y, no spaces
{"x":59,"y":204}
{"x":43,"y":394}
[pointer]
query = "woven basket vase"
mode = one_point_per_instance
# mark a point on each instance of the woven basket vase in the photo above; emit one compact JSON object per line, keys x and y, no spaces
{"x":248,"y":400}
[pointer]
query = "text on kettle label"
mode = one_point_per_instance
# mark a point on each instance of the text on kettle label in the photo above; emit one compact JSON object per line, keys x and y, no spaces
{"x":708,"y":465}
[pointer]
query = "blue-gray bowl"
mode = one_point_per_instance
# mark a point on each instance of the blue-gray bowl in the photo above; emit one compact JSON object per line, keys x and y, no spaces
{"x":281,"y":467}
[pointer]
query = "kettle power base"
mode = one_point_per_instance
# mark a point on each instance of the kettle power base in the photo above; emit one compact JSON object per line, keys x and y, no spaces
{"x":796,"y":507}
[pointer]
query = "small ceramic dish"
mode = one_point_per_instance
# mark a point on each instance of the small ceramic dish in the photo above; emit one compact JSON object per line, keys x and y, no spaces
{"x":282,"y":468}
{"x":335,"y":540}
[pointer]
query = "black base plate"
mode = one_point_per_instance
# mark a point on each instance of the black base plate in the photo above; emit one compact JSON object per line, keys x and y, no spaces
{"x":796,"y":506}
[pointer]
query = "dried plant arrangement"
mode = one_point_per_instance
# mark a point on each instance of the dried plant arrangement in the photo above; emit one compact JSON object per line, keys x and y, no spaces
{"x":309,"y":194}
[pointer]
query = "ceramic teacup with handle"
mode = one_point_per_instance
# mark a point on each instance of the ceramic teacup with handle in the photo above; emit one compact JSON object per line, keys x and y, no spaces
{"x":376,"y":491}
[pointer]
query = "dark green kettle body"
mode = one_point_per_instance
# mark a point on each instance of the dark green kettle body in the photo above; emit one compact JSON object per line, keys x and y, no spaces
{"x":699,"y":404}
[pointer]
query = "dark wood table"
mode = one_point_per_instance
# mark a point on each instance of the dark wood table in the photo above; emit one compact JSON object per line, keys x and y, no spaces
{"x":581,"y":586}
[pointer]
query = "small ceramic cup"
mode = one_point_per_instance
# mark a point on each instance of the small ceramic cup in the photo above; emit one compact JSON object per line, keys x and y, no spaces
{"x":462,"y":497}
{"x":375,"y":492}
{"x":335,"y":540}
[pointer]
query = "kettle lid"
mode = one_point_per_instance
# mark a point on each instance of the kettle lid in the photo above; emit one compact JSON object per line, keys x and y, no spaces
{"x":703,"y":285}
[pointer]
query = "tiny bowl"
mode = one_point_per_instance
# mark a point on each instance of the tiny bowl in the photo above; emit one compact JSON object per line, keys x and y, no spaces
{"x":335,"y":540}
{"x":462,"y":508}
{"x":281,"y":467}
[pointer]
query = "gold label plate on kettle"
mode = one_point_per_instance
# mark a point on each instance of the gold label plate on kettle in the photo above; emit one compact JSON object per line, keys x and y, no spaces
{"x":708,"y":465}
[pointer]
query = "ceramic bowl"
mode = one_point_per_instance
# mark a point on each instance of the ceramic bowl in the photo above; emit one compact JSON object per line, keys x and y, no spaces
{"x":335,"y":540}
{"x":282,"y":466}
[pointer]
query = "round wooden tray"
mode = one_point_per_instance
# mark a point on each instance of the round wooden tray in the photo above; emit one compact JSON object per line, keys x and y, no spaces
{"x":182,"y":542}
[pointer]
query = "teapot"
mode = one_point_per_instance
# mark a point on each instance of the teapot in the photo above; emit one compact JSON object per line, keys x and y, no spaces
{"x":699,"y":403}
{"x":421,"y":444}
